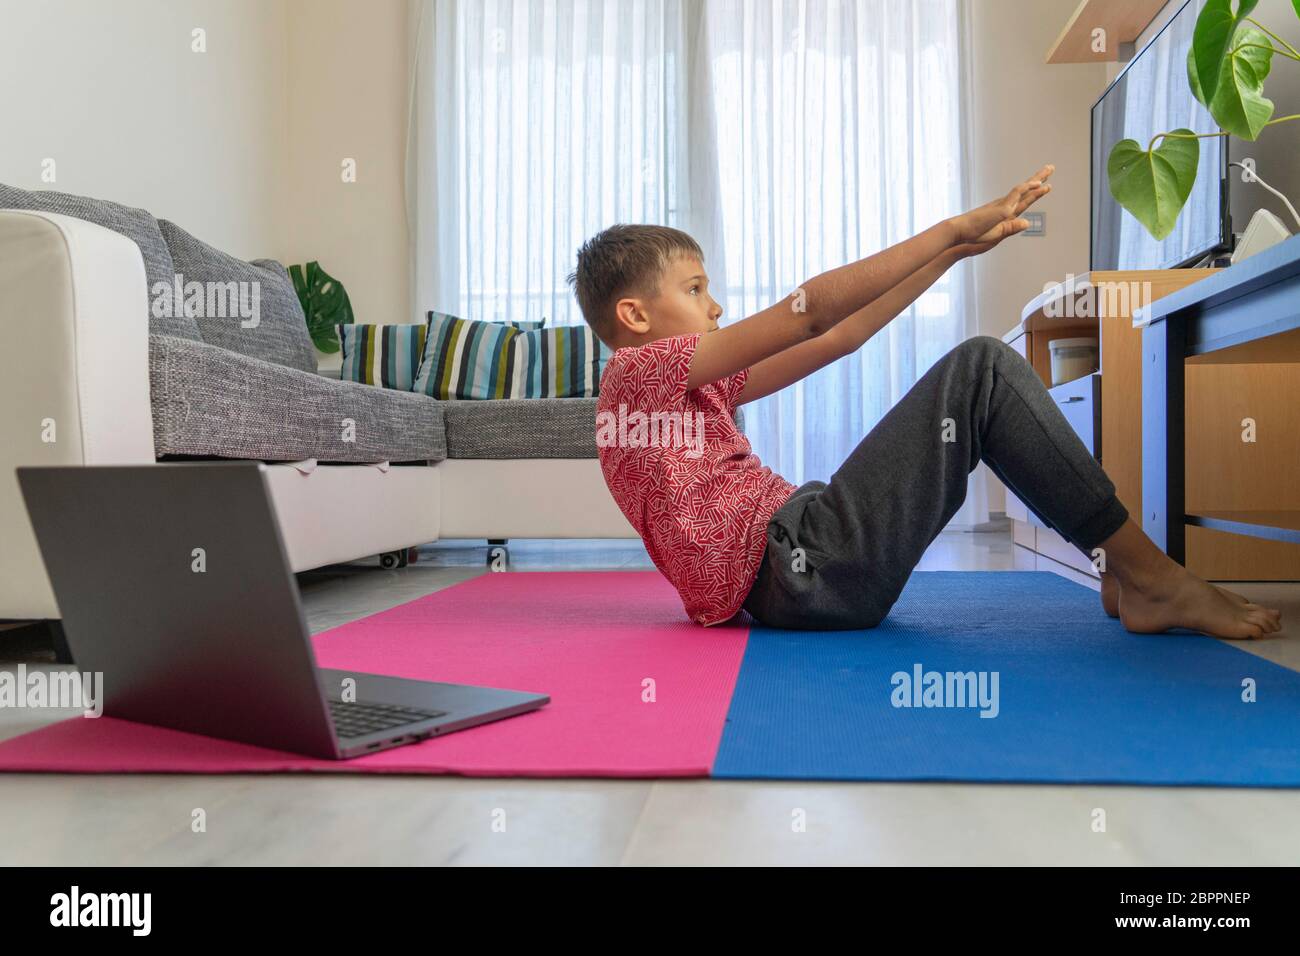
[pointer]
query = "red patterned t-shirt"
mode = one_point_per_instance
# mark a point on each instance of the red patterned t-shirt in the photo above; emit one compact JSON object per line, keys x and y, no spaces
{"x":685,"y":476}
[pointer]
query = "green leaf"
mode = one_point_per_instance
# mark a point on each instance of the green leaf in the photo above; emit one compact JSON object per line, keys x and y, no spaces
{"x":1212,"y":39}
{"x":325,"y":303}
{"x":1154,"y":185}
{"x":1238,"y":104}
{"x":1194,"y":79}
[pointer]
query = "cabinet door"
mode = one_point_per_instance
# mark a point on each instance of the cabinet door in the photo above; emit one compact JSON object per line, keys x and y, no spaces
{"x":1080,"y":403}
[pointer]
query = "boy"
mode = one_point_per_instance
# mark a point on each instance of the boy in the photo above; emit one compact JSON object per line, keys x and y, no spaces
{"x":729,"y":533}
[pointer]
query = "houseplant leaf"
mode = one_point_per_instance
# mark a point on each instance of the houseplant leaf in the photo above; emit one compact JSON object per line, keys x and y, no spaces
{"x":1212,"y":38}
{"x":1239,"y":105}
{"x":325,"y":303}
{"x":1154,"y":185}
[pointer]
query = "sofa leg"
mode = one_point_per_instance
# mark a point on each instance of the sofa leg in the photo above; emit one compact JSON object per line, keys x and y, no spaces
{"x":393,"y":559}
{"x":62,"y":653}
{"x":36,"y":638}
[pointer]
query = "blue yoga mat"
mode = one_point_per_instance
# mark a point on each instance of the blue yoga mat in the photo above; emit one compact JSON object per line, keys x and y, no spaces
{"x":1078,"y":698}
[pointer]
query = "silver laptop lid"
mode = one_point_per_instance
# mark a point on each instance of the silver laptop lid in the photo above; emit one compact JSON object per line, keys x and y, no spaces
{"x":173,"y":582}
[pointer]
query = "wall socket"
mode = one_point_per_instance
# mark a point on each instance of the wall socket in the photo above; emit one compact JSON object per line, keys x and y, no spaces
{"x":1037,"y":223}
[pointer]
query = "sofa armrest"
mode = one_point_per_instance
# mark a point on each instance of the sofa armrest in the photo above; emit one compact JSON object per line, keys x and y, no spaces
{"x":74,"y":316}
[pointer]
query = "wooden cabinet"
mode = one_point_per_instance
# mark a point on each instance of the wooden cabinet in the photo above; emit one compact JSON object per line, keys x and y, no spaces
{"x":1222,"y":473}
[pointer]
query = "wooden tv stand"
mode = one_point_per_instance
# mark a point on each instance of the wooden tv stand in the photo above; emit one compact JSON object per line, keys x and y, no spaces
{"x":1102,"y":304}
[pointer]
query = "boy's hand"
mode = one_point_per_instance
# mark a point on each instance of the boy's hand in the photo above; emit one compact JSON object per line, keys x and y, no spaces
{"x":983,"y":228}
{"x":1009,"y":227}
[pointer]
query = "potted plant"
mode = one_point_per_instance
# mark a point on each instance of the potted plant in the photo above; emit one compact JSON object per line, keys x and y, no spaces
{"x":1230,"y":58}
{"x":325,"y":303}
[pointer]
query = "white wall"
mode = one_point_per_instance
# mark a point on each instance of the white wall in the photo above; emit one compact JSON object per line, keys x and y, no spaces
{"x":1026,"y":113}
{"x":347,"y":98}
{"x":241,"y":144}
{"x":113,"y":93}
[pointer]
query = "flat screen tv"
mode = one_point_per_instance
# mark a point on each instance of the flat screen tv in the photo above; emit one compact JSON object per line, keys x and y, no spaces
{"x":1151,"y":96}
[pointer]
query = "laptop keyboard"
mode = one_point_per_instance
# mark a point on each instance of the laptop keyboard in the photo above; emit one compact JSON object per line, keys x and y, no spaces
{"x":359,"y":720}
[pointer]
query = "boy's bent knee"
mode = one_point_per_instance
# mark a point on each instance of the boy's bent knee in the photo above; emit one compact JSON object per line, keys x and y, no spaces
{"x":982,"y":351}
{"x":985,"y":345}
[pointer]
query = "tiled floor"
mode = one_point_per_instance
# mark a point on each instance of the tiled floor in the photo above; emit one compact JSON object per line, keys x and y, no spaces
{"x":58,"y":819}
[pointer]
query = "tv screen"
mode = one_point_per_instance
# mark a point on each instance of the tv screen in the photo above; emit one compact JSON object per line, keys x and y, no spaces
{"x":1152,"y":96}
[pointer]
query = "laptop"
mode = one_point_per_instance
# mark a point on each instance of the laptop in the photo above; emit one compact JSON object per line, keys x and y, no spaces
{"x":175,"y":585}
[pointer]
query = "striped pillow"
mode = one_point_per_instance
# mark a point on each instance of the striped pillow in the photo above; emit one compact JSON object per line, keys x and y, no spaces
{"x":385,"y":355}
{"x":468,"y":359}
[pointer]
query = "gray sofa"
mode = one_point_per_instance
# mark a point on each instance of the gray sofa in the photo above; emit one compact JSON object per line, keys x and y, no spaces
{"x":210,"y":402}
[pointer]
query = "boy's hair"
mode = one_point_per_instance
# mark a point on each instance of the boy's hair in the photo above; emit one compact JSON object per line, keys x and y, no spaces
{"x":622,"y":260}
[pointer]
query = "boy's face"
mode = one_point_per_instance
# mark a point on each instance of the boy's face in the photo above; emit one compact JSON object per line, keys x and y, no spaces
{"x":681,"y":305}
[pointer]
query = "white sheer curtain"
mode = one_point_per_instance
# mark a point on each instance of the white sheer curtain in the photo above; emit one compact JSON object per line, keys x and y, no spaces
{"x":787,"y":136}
{"x":535,"y":124}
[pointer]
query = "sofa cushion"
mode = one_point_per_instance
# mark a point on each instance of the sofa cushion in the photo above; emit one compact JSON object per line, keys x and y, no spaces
{"x":522,"y":428}
{"x":384,"y":355}
{"x":277,"y":333}
{"x":211,"y":402}
{"x":468,"y":359}
{"x":136,"y":224}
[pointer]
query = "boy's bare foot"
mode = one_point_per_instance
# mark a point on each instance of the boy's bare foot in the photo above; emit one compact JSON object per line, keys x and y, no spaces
{"x":1110,"y":592}
{"x":1235,"y":596}
{"x":1178,"y":598}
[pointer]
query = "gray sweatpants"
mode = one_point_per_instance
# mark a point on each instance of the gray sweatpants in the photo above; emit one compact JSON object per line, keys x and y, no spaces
{"x":839,"y":554}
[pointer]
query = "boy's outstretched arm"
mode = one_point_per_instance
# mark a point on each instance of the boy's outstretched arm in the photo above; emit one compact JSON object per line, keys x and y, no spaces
{"x":828,"y":299}
{"x":799,"y":361}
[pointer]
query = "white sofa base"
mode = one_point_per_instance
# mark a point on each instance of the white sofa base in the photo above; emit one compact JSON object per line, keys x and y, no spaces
{"x":528,"y":498}
{"x":340,"y":513}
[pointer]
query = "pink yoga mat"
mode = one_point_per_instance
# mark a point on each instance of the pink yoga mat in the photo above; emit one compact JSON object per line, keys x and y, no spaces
{"x":587,"y":639}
